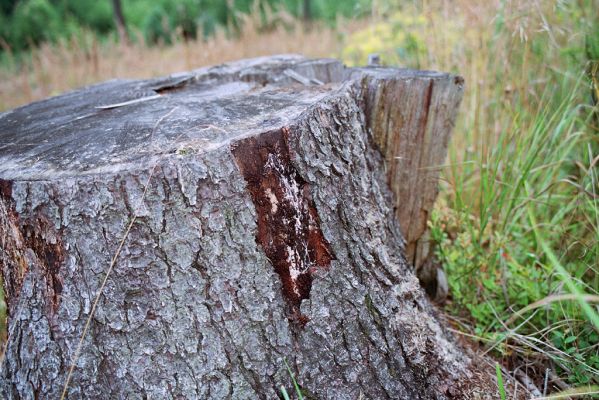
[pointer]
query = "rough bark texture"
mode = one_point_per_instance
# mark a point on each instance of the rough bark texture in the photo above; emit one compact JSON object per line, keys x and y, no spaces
{"x":263,"y":231}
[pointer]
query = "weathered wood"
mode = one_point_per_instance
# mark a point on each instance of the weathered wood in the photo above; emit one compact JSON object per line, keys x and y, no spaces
{"x":248,"y":213}
{"x":411,"y":122}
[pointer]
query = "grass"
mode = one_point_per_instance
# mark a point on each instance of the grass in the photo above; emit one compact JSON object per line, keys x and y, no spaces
{"x":517,"y":221}
{"x":518,"y":216}
{"x":298,"y":391}
{"x":41,"y":73}
{"x":500,"y":382}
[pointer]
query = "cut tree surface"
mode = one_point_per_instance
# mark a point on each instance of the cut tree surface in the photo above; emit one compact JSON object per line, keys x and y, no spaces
{"x":249,"y":209}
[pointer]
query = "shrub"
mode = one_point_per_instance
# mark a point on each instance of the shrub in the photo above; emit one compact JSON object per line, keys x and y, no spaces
{"x":157,"y":27}
{"x":94,"y":14}
{"x":398,"y":41}
{"x":33,"y":22}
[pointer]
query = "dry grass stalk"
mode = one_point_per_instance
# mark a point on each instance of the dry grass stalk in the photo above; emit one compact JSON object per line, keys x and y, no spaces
{"x":55,"y":68}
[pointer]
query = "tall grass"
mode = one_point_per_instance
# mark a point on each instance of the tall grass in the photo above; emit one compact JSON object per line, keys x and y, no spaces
{"x":518,"y":219}
{"x":520,"y":225}
{"x":517,"y":222}
{"x":54,"y":68}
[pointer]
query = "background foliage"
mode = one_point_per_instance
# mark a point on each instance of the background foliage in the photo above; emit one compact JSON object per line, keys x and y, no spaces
{"x":26,"y":23}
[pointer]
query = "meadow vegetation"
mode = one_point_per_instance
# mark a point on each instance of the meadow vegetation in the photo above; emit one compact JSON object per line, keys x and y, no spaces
{"x":517,"y":221}
{"x":27,"y":23}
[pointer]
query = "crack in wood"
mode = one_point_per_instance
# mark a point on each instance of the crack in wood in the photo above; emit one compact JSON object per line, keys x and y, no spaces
{"x":47,"y":245}
{"x":288,"y":223}
{"x":36,"y":234}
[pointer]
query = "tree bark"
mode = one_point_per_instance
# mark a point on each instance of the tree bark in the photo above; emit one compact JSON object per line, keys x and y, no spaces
{"x":248,"y":211}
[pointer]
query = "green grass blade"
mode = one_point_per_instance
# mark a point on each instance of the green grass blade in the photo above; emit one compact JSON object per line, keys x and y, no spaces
{"x":284,"y":393}
{"x":500,"y":381}
{"x":565,"y":276}
{"x":295,"y":385}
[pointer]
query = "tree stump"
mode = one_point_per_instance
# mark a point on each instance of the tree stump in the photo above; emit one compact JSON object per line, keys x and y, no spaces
{"x":228,"y":221}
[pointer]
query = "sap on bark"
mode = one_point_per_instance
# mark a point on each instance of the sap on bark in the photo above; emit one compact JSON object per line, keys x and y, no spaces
{"x":244,"y":215}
